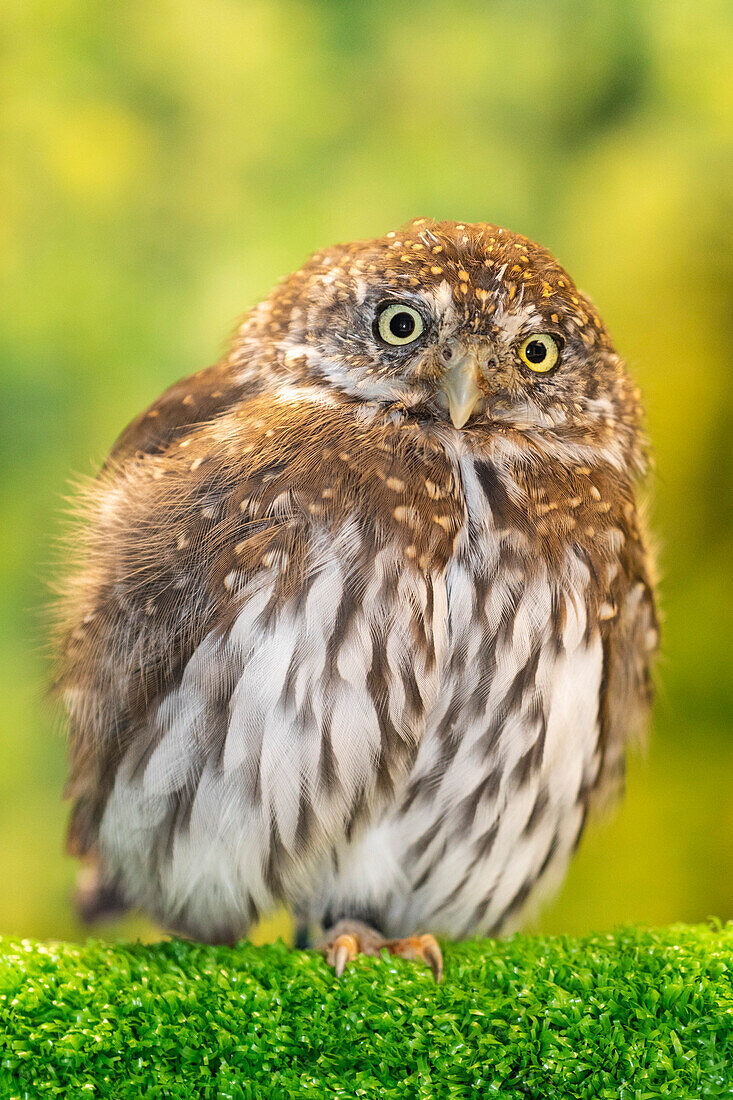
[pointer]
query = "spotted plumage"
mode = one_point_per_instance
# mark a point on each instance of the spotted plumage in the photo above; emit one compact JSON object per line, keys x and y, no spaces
{"x":363,"y":617}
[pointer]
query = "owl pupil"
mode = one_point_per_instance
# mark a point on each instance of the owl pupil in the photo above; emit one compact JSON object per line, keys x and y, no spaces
{"x":402,"y":325}
{"x":535,"y":351}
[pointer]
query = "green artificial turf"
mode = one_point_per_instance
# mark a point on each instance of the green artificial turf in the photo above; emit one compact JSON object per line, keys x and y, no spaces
{"x":634,"y":1014}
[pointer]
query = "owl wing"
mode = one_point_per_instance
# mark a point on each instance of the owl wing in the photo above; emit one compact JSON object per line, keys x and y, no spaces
{"x":247,"y":664}
{"x":630,"y":634}
{"x":187,"y":404}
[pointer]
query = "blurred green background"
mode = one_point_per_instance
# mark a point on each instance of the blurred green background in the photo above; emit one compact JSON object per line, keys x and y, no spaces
{"x":164,"y":163}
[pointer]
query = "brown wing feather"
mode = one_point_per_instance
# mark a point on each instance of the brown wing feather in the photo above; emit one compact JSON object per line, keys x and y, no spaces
{"x":630,"y":639}
{"x":185,"y":405}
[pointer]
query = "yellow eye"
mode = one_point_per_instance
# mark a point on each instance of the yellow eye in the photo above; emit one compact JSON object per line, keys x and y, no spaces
{"x":539,"y":352}
{"x":399,"y":324}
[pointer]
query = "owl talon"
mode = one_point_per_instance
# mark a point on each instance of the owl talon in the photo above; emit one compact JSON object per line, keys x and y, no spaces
{"x":419,"y":947}
{"x":343,"y":950}
{"x":432,"y":955}
{"x":351,"y":938}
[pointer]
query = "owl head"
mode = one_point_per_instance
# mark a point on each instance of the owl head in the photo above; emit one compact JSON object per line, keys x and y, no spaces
{"x":469,"y":325}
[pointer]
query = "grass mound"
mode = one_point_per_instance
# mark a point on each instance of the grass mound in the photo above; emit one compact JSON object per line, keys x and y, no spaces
{"x":631,"y":1015}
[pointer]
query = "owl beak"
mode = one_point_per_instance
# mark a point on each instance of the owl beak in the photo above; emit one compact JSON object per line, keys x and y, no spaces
{"x":460,"y":387}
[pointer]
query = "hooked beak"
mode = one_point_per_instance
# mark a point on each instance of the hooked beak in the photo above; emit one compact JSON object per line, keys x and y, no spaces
{"x":460,"y":386}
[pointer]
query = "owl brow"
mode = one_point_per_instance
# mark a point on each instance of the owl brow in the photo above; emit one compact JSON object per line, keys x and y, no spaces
{"x":406,"y":297}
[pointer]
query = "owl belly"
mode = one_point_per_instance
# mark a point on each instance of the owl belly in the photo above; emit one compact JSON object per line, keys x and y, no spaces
{"x":495,"y":801}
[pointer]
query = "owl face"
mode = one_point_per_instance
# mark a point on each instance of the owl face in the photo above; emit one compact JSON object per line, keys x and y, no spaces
{"x":468,"y":324}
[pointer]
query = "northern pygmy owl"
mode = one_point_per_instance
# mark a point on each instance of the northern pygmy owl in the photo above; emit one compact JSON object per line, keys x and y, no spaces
{"x":363,"y":615}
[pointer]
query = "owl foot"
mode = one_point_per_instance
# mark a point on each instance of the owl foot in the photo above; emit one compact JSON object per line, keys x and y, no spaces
{"x":350,"y":938}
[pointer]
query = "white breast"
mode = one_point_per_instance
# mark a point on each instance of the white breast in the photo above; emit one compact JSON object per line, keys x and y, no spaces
{"x":495,"y":799}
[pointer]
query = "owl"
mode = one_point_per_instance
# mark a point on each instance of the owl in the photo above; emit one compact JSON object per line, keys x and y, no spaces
{"x":362,"y":617}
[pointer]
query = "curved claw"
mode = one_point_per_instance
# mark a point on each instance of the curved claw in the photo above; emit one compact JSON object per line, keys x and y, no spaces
{"x":433,"y":956}
{"x":423,"y":947}
{"x":343,"y":949}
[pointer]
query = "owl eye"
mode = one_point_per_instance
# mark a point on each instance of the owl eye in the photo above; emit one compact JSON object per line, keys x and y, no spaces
{"x":540,"y":352}
{"x":398,"y":323}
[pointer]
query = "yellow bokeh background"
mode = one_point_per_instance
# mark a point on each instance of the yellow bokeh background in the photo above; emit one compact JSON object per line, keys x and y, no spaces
{"x":162,"y":164}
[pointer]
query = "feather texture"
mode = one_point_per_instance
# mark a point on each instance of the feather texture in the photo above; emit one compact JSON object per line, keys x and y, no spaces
{"x":325,"y":648}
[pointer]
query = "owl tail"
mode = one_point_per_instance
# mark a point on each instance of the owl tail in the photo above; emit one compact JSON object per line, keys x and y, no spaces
{"x":94,"y":899}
